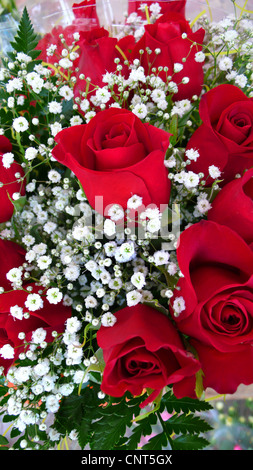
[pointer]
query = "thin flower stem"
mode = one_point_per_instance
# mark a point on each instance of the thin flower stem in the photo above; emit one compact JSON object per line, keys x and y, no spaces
{"x":165,"y":429}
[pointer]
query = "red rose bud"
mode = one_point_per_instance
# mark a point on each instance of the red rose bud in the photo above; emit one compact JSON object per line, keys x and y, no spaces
{"x":225,"y":139}
{"x":11,"y":256}
{"x":9,"y":180}
{"x":166,"y":35}
{"x":50,"y":317}
{"x":233,"y":206}
{"x":217,"y":314}
{"x":115,"y":156}
{"x":143,"y":350}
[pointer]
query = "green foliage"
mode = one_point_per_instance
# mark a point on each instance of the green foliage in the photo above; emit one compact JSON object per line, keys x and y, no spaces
{"x":118,"y":423}
{"x":185,"y":405}
{"x":26,"y":39}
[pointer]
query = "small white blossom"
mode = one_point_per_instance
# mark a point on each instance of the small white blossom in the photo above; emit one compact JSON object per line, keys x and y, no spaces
{"x":178,"y":67}
{"x":192,"y":154}
{"x":52,"y":404}
{"x":138,"y":280}
{"x":203,"y":205}
{"x":54,"y":176}
{"x":16,"y":312}
{"x":31,"y":153}
{"x":14,"y":84}
{"x":161,"y":257}
{"x":134,"y":202}
{"x":140,"y":110}
{"x":39,"y":335}
{"x":76,"y":121}
{"x":191,"y":179}
{"x":214,"y":172}
{"x":109,"y":227}
{"x":54,"y":296}
{"x":51,"y":50}
{"x":20,"y":124}
{"x":66,"y":92}
{"x":72,"y":272}
{"x":73,"y":324}
{"x":200,"y":57}
{"x":225,"y":63}
{"x":230,"y":35}
{"x":108,"y":319}
{"x":14,"y":275}
{"x":55,"y":128}
{"x":44,"y":261}
{"x":178,"y":305}
{"x":90,"y":302}
{"x":55,"y":107}
{"x":7,"y":351}
{"x":65,"y":63}
{"x":116,"y":212}
{"x":34,"y":302}
{"x":7,"y":159}
{"x":133,"y":298}
{"x":241,"y":80}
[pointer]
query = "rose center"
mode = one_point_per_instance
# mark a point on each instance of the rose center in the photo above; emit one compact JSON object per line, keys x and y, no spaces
{"x":232,"y":318}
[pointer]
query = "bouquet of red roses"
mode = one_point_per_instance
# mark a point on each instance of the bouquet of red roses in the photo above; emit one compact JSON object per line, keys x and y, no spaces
{"x":126,"y":169}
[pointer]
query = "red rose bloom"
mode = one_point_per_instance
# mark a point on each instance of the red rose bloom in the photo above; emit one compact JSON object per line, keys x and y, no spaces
{"x":49,"y":317}
{"x":85,"y":19}
{"x":233,"y":206}
{"x":97,"y":53}
{"x":217,"y":288}
{"x":143,"y":350}
{"x":166,"y":5}
{"x":166,"y":35}
{"x":11,"y":256}
{"x":225,"y":139}
{"x":116,"y":156}
{"x":9,"y":180}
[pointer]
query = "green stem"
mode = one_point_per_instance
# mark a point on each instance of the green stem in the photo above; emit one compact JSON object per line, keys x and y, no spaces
{"x":165,"y":429}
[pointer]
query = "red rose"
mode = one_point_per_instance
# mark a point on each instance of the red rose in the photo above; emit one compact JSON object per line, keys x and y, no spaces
{"x":233,"y":206}
{"x":85,"y":19}
{"x":166,"y":34}
{"x":217,"y":289}
{"x":9,"y":180}
{"x":143,"y":350}
{"x":166,"y":5}
{"x":115,"y":156}
{"x":50,"y":317}
{"x":11,"y":256}
{"x":225,"y":139}
{"x":97,"y":53}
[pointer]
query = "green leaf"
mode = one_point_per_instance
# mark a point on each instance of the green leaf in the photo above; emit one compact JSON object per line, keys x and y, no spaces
{"x":3,"y":441}
{"x":189,"y":442}
{"x":78,"y":412}
{"x":186,"y":424}
{"x":26,"y":39}
{"x":157,"y":442}
{"x":3,"y":390}
{"x":186,"y":404}
{"x":113,"y":422}
{"x":174,"y":129}
{"x":141,"y":429}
